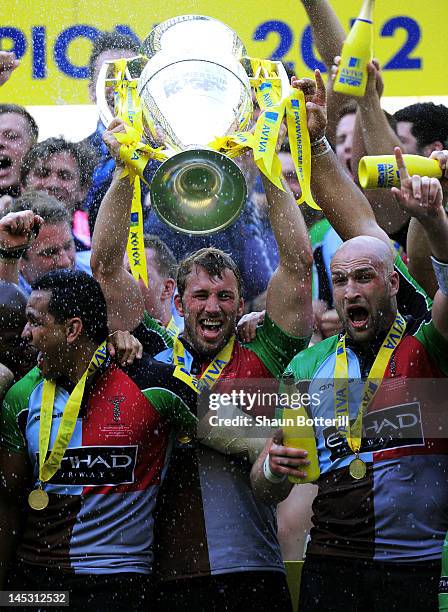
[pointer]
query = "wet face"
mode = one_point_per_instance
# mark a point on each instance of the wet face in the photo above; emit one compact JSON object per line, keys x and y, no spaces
{"x":53,"y":249}
{"x":363,"y":294}
{"x":211,"y":307}
{"x":45,"y":335}
{"x":15,"y":141}
{"x":58,"y":175}
{"x":153,"y":293}
{"x":407,"y":138}
{"x":344,"y":141}
{"x":15,"y":353}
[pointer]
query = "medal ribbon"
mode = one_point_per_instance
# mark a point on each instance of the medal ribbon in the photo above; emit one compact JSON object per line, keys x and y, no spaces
{"x":341,"y":404}
{"x":48,"y":467}
{"x":213,"y":370}
{"x":172,"y":328}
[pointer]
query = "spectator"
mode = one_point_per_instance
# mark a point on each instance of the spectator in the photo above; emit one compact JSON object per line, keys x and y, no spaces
{"x":423,"y":128}
{"x":64,"y":170}
{"x":107,"y":46}
{"x":54,"y":246}
{"x":14,"y":352}
{"x":161,"y":266}
{"x":18,"y":133}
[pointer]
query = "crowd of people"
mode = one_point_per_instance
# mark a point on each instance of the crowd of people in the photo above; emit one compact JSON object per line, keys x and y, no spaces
{"x":114,"y":485}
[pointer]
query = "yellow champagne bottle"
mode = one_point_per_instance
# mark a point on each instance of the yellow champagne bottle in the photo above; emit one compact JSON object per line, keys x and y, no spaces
{"x":298,"y":432}
{"x":357,"y":52}
{"x":381,"y":172}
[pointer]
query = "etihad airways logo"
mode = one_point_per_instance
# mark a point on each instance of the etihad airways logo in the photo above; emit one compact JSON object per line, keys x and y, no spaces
{"x":90,"y":466}
{"x":395,"y":427}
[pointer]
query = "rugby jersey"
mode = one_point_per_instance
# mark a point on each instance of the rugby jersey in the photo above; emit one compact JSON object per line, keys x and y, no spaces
{"x":208,"y":520}
{"x":100,"y":516}
{"x":398,"y":512}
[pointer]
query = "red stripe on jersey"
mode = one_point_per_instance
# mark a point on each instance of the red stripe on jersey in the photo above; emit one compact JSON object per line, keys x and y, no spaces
{"x":118,"y":414}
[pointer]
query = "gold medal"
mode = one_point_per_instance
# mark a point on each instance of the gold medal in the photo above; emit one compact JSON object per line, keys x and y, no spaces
{"x":357,"y":469}
{"x":38,"y":499}
{"x":184,"y":438}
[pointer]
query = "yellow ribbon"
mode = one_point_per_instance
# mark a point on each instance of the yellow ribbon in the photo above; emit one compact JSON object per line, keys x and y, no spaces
{"x":299,"y":143}
{"x":263,"y":141}
{"x":172,"y":328}
{"x":49,"y":467}
{"x":211,"y":373}
{"x":135,"y":155}
{"x":371,"y":386}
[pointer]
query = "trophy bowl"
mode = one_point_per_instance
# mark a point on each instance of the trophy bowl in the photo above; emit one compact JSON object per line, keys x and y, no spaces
{"x":198,"y":191}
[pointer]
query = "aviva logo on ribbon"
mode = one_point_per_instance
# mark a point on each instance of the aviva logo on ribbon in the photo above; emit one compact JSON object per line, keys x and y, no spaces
{"x":354,"y":62}
{"x":269,"y":123}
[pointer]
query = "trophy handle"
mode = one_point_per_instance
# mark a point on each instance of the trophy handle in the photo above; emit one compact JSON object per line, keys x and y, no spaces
{"x":104,"y":111}
{"x":285,"y":84}
{"x":108,"y":77}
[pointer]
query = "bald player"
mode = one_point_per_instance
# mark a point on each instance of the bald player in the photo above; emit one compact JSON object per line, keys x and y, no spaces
{"x":379,"y":515}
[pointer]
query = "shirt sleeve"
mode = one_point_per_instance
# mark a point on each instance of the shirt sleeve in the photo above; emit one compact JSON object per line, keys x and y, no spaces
{"x":153,"y":336}
{"x":275,"y":347}
{"x":411,"y":298}
{"x":435,"y":344}
{"x":14,"y":404}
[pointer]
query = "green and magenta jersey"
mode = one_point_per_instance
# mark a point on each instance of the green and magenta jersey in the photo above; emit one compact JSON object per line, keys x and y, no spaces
{"x":208,"y":521}
{"x":100,"y":516}
{"x":398,"y":512}
{"x":443,"y":584}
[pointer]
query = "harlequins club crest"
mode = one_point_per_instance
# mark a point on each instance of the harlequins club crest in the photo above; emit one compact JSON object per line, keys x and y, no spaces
{"x":116,"y":400}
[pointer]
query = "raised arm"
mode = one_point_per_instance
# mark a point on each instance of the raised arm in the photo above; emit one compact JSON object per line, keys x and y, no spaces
{"x":124,"y":301}
{"x":342,"y":202}
{"x":288,"y":301}
{"x":328,"y":33}
{"x":372,"y":127}
{"x":421,"y":197}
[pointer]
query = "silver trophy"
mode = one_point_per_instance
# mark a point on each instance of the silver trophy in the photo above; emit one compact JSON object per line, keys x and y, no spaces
{"x":193,"y":88}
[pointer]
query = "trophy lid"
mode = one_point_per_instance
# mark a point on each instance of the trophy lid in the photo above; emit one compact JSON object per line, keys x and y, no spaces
{"x":187,"y":32}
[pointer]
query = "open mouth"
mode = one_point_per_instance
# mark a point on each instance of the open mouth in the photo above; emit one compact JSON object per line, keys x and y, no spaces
{"x":210,"y":327}
{"x":5,"y":162}
{"x":358,"y":316}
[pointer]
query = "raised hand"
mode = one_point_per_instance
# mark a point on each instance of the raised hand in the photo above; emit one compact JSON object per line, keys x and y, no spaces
{"x":8,"y":63}
{"x":316,"y":103}
{"x":18,"y":229}
{"x":420,"y":196}
{"x":116,"y":126}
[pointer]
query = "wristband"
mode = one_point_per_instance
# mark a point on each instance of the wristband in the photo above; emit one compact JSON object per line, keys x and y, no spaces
{"x":12,"y":253}
{"x":270,"y":476}
{"x":441,"y":272}
{"x":320,"y":147}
